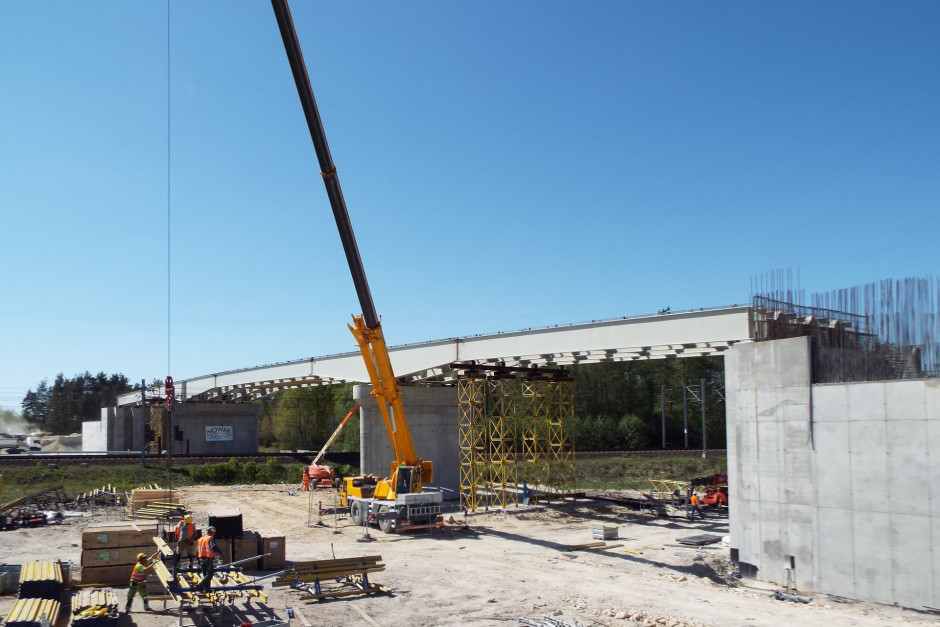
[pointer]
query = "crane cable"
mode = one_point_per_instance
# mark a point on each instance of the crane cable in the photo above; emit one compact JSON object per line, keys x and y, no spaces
{"x":168,"y":213}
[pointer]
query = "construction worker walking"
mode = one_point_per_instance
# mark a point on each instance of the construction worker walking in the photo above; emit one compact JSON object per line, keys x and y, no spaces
{"x":694,"y":502}
{"x":185,"y":542}
{"x":207,"y":549}
{"x":138,"y":583}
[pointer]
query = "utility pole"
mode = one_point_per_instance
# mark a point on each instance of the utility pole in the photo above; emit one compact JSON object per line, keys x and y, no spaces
{"x":144,"y":415}
{"x":685,"y":413}
{"x":704,"y":431}
{"x":663,"y":408}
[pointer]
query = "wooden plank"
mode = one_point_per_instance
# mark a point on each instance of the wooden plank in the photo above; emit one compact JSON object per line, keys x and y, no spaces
{"x":581,"y":547}
{"x":603,"y":548}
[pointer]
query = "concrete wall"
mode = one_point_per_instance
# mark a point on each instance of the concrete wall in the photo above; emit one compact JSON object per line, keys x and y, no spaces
{"x":218,"y":428}
{"x":117,"y":430}
{"x":845,"y":477}
{"x":120,"y":429}
{"x":95,"y":432}
{"x":433,"y":420}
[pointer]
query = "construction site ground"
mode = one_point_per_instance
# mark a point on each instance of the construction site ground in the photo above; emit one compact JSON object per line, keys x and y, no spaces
{"x":486,"y":569}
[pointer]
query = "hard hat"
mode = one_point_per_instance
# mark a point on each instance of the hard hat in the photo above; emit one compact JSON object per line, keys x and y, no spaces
{"x":141,"y":556}
{"x":210,"y":530}
{"x":188,"y":518}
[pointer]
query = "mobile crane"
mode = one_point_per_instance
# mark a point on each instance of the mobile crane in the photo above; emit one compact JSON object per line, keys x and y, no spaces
{"x":398,"y":502}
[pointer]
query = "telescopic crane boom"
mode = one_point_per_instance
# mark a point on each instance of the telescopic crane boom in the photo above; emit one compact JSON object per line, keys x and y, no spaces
{"x":408,"y":471}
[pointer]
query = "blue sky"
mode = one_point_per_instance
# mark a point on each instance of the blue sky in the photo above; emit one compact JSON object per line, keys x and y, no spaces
{"x":506,"y":165}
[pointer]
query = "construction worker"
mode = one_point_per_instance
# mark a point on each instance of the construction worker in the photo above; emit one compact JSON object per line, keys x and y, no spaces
{"x":185,"y":541}
{"x":138,"y":583}
{"x":694,"y":502}
{"x":207,"y":550}
{"x":306,"y":483}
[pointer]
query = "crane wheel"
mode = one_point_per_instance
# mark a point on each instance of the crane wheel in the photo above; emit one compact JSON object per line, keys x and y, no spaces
{"x":386,"y":525}
{"x":355,"y":512}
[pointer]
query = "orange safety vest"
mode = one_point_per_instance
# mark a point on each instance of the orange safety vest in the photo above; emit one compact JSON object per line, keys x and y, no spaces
{"x":192,"y":530}
{"x":139,"y":574}
{"x":694,"y":499}
{"x":203,"y":548}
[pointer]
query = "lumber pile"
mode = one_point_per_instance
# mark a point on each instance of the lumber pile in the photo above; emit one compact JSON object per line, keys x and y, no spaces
{"x":40,"y":588}
{"x":41,"y":580}
{"x":154,"y":503}
{"x":33,"y":613}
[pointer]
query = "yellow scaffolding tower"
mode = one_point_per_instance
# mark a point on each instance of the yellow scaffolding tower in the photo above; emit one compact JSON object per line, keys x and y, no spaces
{"x":471,"y":401}
{"x":514,"y":433}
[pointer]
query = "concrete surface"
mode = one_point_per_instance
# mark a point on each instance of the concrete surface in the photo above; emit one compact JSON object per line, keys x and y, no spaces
{"x":845,"y":477}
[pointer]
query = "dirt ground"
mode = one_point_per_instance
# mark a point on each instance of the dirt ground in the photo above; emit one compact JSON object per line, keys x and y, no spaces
{"x":496,"y":569}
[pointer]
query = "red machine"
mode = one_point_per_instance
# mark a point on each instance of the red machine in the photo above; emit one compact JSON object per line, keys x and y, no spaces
{"x":321,"y":475}
{"x":716,"y":492}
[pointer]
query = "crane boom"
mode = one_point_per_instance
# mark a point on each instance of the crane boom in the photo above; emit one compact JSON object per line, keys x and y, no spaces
{"x":366,"y":327}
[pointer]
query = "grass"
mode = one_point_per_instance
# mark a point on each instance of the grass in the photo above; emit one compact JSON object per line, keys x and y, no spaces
{"x":615,"y":473}
{"x":635,"y":473}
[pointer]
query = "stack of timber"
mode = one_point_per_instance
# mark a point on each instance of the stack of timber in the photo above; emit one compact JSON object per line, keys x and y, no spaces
{"x":333,"y":578}
{"x":33,"y":613}
{"x":40,"y":590}
{"x":154,"y":503}
{"x":41,"y":580}
{"x":94,"y":608}
{"x":109,"y":551}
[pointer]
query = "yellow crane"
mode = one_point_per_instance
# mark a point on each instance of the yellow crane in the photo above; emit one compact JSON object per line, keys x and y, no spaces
{"x":399,"y":501}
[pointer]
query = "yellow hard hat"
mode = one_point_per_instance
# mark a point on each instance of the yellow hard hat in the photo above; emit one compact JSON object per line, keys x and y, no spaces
{"x":188,"y":518}
{"x":141,"y":556}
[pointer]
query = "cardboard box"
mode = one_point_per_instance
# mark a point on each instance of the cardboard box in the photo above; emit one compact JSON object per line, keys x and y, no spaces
{"x":272,"y":542}
{"x":114,"y":556}
{"x":239,"y":549}
{"x":115,"y":536}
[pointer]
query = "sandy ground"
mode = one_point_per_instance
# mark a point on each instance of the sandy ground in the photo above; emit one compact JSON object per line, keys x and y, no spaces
{"x":495,"y":570}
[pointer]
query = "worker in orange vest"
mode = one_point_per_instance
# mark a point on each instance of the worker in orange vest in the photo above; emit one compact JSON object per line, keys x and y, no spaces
{"x":185,"y":542}
{"x":694,"y":502}
{"x":207,"y":549}
{"x":306,"y":483}
{"x":138,"y":583}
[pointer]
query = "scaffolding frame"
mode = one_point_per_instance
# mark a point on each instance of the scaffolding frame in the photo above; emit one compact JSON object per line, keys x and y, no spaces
{"x":515,"y":435}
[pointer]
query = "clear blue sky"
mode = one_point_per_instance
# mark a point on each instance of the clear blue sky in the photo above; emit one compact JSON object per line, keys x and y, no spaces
{"x":506,"y":165}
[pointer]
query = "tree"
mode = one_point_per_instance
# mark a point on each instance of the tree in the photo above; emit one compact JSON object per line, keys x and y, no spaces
{"x":61,"y":408}
{"x":633,"y":391}
{"x":634,"y":432}
{"x":302,"y":417}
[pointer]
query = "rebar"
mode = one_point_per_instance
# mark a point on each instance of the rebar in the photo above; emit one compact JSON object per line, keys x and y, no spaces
{"x":879,"y":331}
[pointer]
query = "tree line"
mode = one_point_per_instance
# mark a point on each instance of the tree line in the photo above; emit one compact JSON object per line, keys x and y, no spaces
{"x":622,"y":405}
{"x":60,"y":408}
